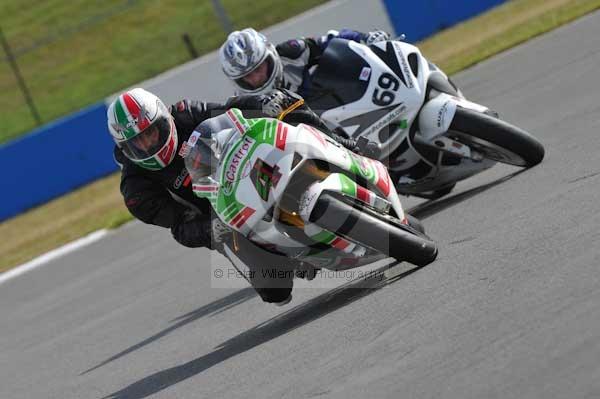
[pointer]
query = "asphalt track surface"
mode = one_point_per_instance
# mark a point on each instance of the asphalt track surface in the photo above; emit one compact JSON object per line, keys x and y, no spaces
{"x":511,"y":308}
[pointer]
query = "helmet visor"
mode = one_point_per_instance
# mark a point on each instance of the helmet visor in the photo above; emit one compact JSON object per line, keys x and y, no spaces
{"x":149,"y":141}
{"x":259,"y":76}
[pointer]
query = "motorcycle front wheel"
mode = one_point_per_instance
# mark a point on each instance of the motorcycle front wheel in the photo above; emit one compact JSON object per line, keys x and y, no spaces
{"x":495,"y":139}
{"x":383,"y":233}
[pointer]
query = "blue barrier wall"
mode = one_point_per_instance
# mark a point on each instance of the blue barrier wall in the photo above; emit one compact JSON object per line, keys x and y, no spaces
{"x":55,"y":159}
{"x":76,"y":150}
{"x":419,"y":19}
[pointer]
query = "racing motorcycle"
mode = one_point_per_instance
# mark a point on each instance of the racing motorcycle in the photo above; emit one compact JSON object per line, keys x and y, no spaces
{"x":429,"y":134}
{"x":295,"y":192}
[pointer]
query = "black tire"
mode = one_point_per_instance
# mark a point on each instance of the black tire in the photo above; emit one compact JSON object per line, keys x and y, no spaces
{"x":371,"y":229}
{"x":495,"y":138}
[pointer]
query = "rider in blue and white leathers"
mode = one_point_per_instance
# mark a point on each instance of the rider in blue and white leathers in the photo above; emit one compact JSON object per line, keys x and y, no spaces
{"x":255,"y":65}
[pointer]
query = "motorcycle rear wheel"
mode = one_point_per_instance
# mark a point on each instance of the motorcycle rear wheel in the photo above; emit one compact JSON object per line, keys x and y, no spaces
{"x":495,"y":139}
{"x":383,"y":233}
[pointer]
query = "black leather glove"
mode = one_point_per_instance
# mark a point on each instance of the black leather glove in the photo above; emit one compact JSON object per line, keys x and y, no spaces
{"x":193,"y":230}
{"x":361,"y":146}
{"x":367,"y":148}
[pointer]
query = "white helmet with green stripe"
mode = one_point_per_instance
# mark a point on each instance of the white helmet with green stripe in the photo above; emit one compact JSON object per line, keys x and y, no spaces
{"x":143,"y":129}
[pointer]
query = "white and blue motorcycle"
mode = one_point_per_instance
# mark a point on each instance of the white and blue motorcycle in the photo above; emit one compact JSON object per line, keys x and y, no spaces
{"x":430,"y":136}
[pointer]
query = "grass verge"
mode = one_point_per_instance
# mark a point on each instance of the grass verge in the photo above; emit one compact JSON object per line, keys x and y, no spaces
{"x":99,"y":205}
{"x":75,"y":53}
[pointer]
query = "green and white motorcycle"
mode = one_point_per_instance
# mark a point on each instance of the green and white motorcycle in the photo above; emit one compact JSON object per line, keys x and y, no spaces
{"x":294,"y":191}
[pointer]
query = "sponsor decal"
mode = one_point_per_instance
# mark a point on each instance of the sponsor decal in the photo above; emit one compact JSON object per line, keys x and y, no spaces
{"x":407,"y":73}
{"x":365,"y":74}
{"x":363,"y":165}
{"x":405,"y":68}
{"x":187,"y":146}
{"x":264,"y":176}
{"x":184,"y":151}
{"x":386,"y":120}
{"x":180,"y":179}
{"x":121,"y":129}
{"x":236,"y":160}
{"x":441,"y":117}
{"x":305,"y":201}
{"x":141,"y":120}
{"x":194,"y":138}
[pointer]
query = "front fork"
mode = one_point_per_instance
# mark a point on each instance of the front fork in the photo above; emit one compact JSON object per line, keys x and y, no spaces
{"x":435,"y":119}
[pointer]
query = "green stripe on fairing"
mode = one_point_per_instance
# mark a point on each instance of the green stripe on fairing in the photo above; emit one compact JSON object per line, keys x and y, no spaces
{"x":348,"y":186}
{"x":231,"y":210}
{"x":324,"y":237}
{"x":271,"y":131}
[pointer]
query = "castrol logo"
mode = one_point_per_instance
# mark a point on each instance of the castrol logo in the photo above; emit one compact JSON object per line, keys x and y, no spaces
{"x":233,"y":167}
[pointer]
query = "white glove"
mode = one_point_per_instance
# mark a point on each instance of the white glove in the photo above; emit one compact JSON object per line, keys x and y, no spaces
{"x":273,"y":103}
{"x":376,"y":36}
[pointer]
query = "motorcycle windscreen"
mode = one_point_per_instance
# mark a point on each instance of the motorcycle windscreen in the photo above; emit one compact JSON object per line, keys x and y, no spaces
{"x":206,"y":144}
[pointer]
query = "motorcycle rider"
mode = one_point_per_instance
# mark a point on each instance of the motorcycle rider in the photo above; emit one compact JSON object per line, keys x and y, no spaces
{"x":155,"y":183}
{"x":255,"y":65}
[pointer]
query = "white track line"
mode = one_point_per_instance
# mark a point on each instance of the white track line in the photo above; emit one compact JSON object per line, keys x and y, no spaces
{"x":54,"y":254}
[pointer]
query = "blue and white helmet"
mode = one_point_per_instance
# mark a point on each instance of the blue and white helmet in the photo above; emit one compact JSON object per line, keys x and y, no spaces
{"x":243,"y":52}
